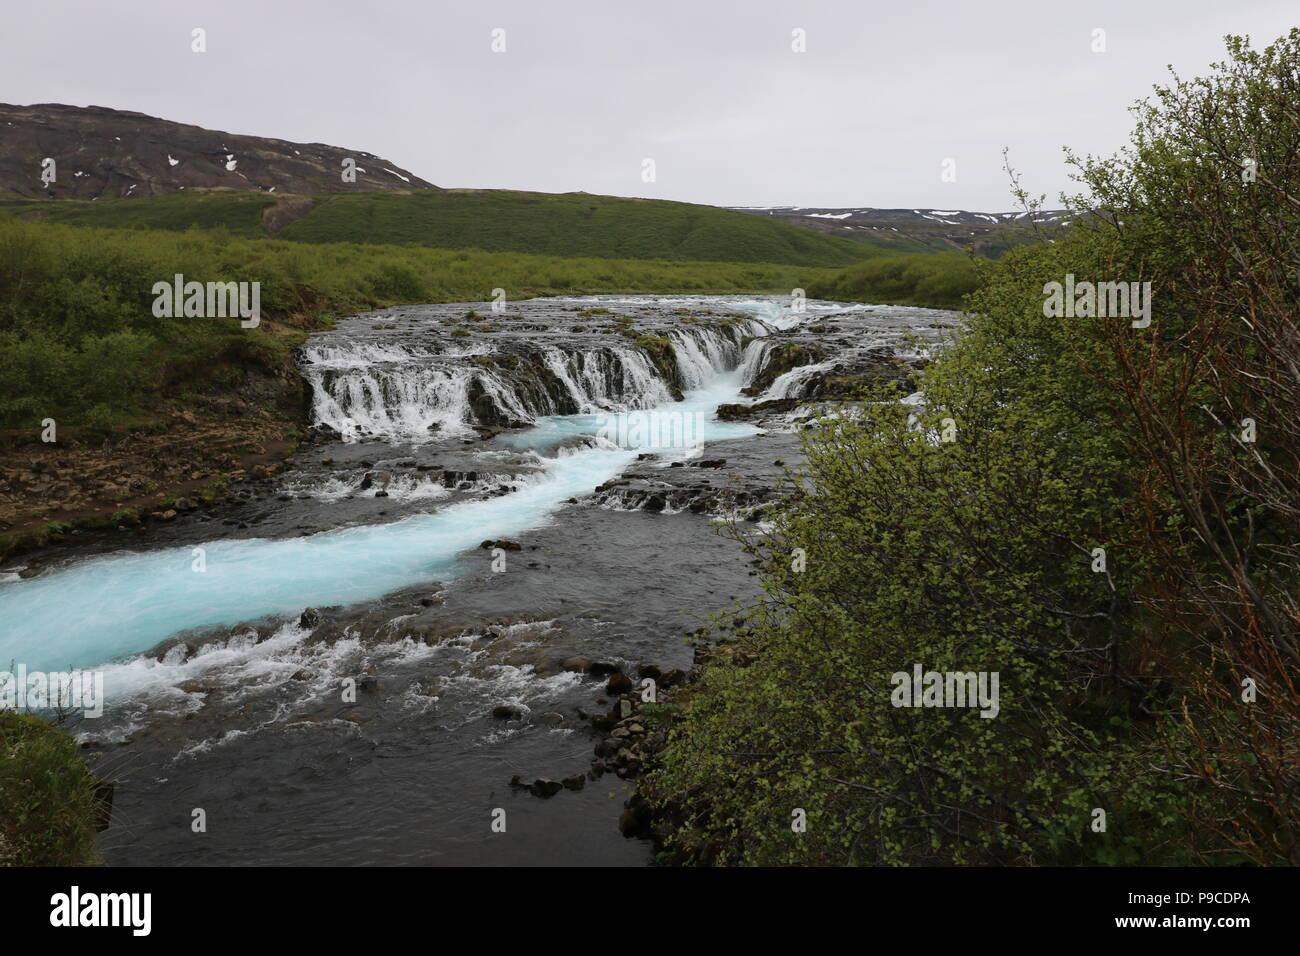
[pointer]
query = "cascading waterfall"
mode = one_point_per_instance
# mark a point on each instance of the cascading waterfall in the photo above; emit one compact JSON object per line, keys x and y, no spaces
{"x":704,"y":352}
{"x":614,"y":379}
{"x":558,"y":362}
{"x":400,"y":393}
{"x":128,"y":603}
{"x":404,"y":403}
{"x":641,"y":385}
{"x":795,"y":383}
{"x":699,"y":355}
{"x":755,"y":357}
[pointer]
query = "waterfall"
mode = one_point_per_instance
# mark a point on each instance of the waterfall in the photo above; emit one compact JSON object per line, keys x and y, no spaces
{"x":704,"y":352}
{"x":615,"y":379}
{"x":558,"y":362}
{"x":794,"y":383}
{"x":404,"y":403}
{"x":701,"y":354}
{"x":399,"y":392}
{"x":755,"y":357}
{"x":506,"y":397}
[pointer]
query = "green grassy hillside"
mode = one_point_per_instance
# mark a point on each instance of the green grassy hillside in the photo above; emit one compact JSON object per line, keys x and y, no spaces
{"x":933,"y":280}
{"x":570,"y":224}
{"x":240,"y":214}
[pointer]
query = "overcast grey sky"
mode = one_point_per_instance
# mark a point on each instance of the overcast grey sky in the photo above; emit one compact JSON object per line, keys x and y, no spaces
{"x":711,"y":90}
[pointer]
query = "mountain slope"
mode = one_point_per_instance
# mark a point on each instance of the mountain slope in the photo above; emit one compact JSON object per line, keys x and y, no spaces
{"x":100,"y":153}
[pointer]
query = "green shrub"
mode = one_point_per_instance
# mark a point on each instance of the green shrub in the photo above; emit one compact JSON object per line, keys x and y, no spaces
{"x":396,"y":281}
{"x":971,"y":555}
{"x":48,"y":806}
{"x":1122,"y":674}
{"x":937,"y":281}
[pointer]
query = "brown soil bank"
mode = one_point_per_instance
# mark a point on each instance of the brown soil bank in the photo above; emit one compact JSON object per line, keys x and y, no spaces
{"x":243,"y":420}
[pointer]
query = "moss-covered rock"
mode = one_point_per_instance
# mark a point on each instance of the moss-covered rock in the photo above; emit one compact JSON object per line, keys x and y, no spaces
{"x":782,"y":359}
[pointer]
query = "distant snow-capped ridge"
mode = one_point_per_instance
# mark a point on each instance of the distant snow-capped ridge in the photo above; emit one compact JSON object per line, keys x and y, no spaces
{"x":872,"y":213}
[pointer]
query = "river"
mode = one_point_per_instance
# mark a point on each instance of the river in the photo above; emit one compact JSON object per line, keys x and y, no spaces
{"x":361,"y":731}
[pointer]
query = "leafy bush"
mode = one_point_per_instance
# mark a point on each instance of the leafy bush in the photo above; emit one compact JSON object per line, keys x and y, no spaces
{"x":1125,"y":679}
{"x":48,"y":805}
{"x":971,"y":555}
{"x":396,"y":281}
{"x":936,"y":281}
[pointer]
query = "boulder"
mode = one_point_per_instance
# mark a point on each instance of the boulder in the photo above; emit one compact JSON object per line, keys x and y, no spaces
{"x":619,"y":683}
{"x":544,"y":787}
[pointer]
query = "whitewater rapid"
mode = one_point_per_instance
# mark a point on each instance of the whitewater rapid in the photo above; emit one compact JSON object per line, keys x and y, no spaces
{"x":104,"y":608}
{"x":111,"y":607}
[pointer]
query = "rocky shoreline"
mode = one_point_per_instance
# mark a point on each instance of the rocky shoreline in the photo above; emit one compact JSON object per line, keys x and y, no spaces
{"x":633,"y":733}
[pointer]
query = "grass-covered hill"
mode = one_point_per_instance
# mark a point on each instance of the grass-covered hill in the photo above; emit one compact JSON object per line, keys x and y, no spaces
{"x":568,"y":224}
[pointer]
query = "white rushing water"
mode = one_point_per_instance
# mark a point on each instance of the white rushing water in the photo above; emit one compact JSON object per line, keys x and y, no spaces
{"x":412,"y":393}
{"x":121,"y":604}
{"x":424,"y":398}
{"x":794,"y":383}
{"x":115,"y":606}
